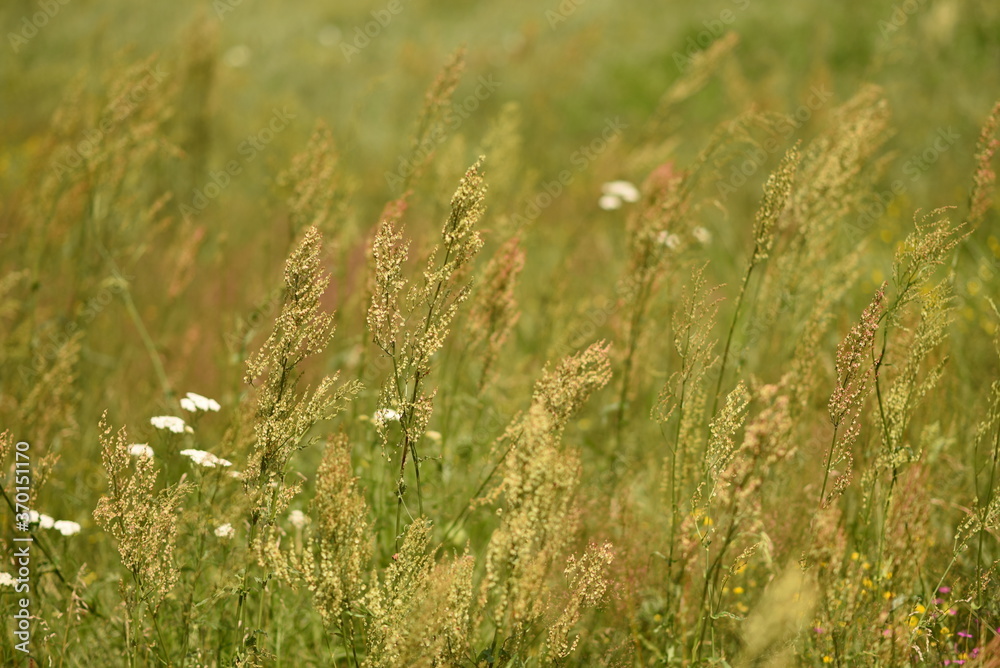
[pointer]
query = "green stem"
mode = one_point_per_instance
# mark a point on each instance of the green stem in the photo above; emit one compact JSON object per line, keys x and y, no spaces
{"x":732,"y":329}
{"x":710,"y":570}
{"x":826,"y":473}
{"x":455,"y":523}
{"x":674,"y":510}
{"x":985,"y":509}
{"x":241,"y":602}
{"x":635,"y":324}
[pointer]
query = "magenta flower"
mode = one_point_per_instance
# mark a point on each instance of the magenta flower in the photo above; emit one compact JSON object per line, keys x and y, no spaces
{"x":964,"y":634}
{"x":944,"y":590}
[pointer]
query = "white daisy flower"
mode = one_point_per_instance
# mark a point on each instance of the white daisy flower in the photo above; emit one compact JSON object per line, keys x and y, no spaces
{"x":622,"y":189}
{"x":171,"y":423}
{"x":140,"y":450}
{"x":384,"y":415}
{"x":206,"y":459}
{"x":298,"y":519}
{"x":195,"y":402}
{"x":225,"y":531}
{"x":66,"y":528}
{"x":609,"y":202}
{"x":702,"y":235}
{"x":7,"y":580}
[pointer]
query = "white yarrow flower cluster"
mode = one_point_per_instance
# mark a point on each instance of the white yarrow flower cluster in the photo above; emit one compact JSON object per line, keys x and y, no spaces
{"x":703,"y":236}
{"x":206,"y":459}
{"x":140,"y":450}
{"x":171,"y":423}
{"x":671,"y":241}
{"x":616,"y":192}
{"x":44,"y":521}
{"x":225,"y":531}
{"x":195,"y":402}
{"x":298,"y":519}
{"x":609,"y":202}
{"x":384,"y":415}
{"x":66,"y":528}
{"x":7,"y":580}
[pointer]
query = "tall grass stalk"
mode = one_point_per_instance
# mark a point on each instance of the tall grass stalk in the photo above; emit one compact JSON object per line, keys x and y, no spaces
{"x":777,"y":191}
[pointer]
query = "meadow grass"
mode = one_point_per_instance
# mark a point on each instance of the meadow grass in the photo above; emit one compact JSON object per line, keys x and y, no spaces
{"x":578,"y":335}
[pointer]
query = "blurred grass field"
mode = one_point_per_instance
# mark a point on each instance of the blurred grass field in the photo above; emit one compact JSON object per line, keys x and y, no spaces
{"x":125,"y":283}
